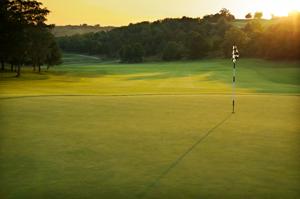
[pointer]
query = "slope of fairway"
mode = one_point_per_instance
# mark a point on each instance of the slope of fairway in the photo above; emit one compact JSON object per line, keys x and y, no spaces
{"x":81,"y":75}
{"x":128,"y":147}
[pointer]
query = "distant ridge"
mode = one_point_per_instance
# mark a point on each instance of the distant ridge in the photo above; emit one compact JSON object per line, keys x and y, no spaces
{"x":69,"y":30}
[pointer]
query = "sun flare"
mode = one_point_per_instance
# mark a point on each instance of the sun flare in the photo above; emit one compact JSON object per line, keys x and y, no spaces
{"x":276,"y":8}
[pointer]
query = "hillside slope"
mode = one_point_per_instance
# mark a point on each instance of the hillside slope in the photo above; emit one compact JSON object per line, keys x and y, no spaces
{"x":60,"y":31}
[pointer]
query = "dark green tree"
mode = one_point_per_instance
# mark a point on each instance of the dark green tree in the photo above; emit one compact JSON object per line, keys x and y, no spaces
{"x":234,"y":36}
{"x":248,"y":16}
{"x":24,"y":33}
{"x":4,"y":35}
{"x":211,"y":36}
{"x":282,"y":39}
{"x":54,"y":55}
{"x":197,"y":45}
{"x":254,"y":31}
{"x":226,"y":14}
{"x":39,"y":46}
{"x":132,"y":53}
{"x":173,"y":51}
{"x":253,"y":26}
{"x":222,"y":26}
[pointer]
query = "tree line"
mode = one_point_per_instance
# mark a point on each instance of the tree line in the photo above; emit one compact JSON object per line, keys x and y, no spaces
{"x":191,"y":38}
{"x":25,"y":37}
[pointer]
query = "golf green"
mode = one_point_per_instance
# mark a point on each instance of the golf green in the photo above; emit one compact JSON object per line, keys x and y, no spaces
{"x":148,"y":147}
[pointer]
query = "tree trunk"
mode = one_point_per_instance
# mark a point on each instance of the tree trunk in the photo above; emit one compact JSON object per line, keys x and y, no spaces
{"x":11,"y":67}
{"x":2,"y":65}
{"x":18,"y":71}
{"x":39,"y":68}
{"x":48,"y":67}
{"x":33,"y":67}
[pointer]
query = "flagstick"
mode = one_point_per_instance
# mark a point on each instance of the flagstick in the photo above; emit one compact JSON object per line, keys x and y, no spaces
{"x":235,"y":56}
{"x":233,"y":89}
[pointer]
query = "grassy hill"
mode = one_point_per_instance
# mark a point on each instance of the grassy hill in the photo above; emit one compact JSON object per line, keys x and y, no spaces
{"x":69,"y":30}
{"x":265,"y":22}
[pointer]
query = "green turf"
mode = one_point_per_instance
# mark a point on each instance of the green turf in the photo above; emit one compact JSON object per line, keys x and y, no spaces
{"x":115,"y":147}
{"x":95,"y":146}
{"x":85,"y":75}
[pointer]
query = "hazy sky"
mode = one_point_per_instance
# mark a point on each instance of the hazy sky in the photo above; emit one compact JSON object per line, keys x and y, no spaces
{"x":123,"y":12}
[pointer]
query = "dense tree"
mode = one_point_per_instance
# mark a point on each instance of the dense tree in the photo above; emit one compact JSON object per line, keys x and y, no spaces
{"x":197,"y":45}
{"x":4,"y":36}
{"x":248,"y":16}
{"x":191,"y":38}
{"x":258,"y":15}
{"x":254,"y":31}
{"x":194,"y":36}
{"x":173,"y":51}
{"x":234,"y":36}
{"x":24,"y":15}
{"x":253,"y":26}
{"x":285,"y":43}
{"x":54,"y":56}
{"x":24,"y":33}
{"x":225,"y":13}
{"x":132,"y":53}
{"x":39,"y":43}
{"x":221,"y":27}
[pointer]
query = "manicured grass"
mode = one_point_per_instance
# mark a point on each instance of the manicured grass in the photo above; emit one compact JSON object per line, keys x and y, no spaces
{"x":116,"y":147}
{"x":84,"y":75}
{"x":91,"y":129}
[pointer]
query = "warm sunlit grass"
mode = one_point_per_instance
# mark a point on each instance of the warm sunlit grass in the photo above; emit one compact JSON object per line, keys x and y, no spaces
{"x":118,"y":146}
{"x":85,"y":75}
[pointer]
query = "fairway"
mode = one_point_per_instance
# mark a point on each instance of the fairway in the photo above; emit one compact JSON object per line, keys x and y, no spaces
{"x":84,"y":75}
{"x":93,"y":129}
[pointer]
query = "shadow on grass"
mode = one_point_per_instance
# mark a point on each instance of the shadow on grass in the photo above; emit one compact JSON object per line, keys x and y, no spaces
{"x":25,"y":76}
{"x":181,"y":157}
{"x":44,"y":75}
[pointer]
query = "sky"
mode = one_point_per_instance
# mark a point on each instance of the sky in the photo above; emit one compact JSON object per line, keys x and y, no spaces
{"x":123,"y":12}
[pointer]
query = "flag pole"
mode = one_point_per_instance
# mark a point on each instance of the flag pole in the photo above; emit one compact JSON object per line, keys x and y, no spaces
{"x":235,"y":56}
{"x":233,"y":89}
